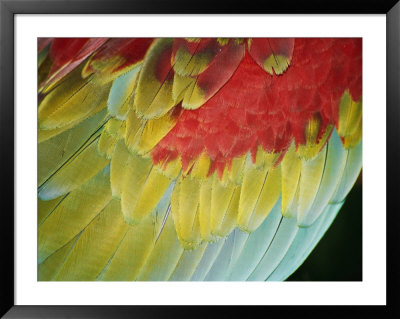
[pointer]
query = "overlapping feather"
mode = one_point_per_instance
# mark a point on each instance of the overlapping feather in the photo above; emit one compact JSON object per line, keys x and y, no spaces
{"x":109,"y":211}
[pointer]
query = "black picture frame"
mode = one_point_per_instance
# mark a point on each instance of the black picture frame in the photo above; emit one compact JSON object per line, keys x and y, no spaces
{"x":8,"y":10}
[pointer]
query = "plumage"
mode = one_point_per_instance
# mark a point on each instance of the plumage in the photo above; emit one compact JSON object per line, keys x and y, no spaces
{"x":116,"y":57}
{"x":221,"y":263}
{"x":349,"y":174}
{"x":187,"y":263}
{"x":291,"y":170}
{"x":192,"y":57}
{"x":310,"y":180}
{"x":46,"y":207}
{"x":73,"y":135}
{"x":224,"y":207}
{"x":95,"y":244}
{"x":142,"y":135}
{"x":136,"y":174}
{"x":269,"y":195}
{"x":134,"y":249}
{"x":303,"y":243}
{"x":276,"y":250}
{"x":72,"y":101}
{"x":239,"y":241}
{"x":253,"y":184}
{"x":49,"y":268}
{"x":273,"y":55}
{"x":255,"y":246}
{"x":185,"y":211}
{"x":219,"y":71}
{"x":192,"y":159}
{"x":153,"y":96}
{"x":210,"y":255}
{"x":66,"y":55}
{"x":77,"y":170}
{"x":205,"y":209}
{"x":121,"y":94}
{"x":73,"y":214}
{"x":334,"y":165}
{"x":164,"y":257}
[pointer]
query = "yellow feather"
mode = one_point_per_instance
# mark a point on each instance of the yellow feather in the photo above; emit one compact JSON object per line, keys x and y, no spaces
{"x":80,"y":131}
{"x":185,"y":211}
{"x":45,"y":207}
{"x":355,"y":138}
{"x":187,"y":64}
{"x":76,"y":171}
{"x":142,"y":135}
{"x":253,"y":180}
{"x":310,"y":180}
{"x":205,"y":208}
{"x":44,"y":135}
{"x":194,"y":97}
{"x":269,"y":195}
{"x":165,"y":255}
{"x":170,"y":169}
{"x":49,"y":268}
{"x":154,"y":131}
{"x":276,"y":64}
{"x":73,"y":214}
{"x":70,"y":83}
{"x":113,"y":131}
{"x":221,"y":198}
{"x":136,"y":174}
{"x":201,"y":167}
{"x":350,"y":113}
{"x":131,"y":254}
{"x":225,"y":179}
{"x":134,"y":129}
{"x":264,"y":159}
{"x":291,"y":211}
{"x":71,"y":103}
{"x":125,"y":108}
{"x":106,"y":70}
{"x":153,"y":98}
{"x":312,"y":147}
{"x":236,"y":171}
{"x":106,"y":144}
{"x":118,"y":167}
{"x":54,"y":152}
{"x":115,"y":127}
{"x":229,"y":220}
{"x":150,"y":194}
{"x":290,"y":168}
{"x":223,"y":41}
{"x":134,"y":249}
{"x":180,"y":85}
{"x":95,"y":246}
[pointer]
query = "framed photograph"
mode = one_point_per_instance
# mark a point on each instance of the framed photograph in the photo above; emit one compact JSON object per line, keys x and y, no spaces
{"x":164,"y":155}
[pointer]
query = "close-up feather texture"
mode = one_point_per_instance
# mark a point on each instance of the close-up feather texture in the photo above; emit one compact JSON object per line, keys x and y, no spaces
{"x":201,"y":159}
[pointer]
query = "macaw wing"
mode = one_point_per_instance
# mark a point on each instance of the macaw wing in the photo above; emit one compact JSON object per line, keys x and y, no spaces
{"x":135,"y":182}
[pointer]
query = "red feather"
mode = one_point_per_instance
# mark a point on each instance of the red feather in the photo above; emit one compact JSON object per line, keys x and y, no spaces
{"x":255,"y":108}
